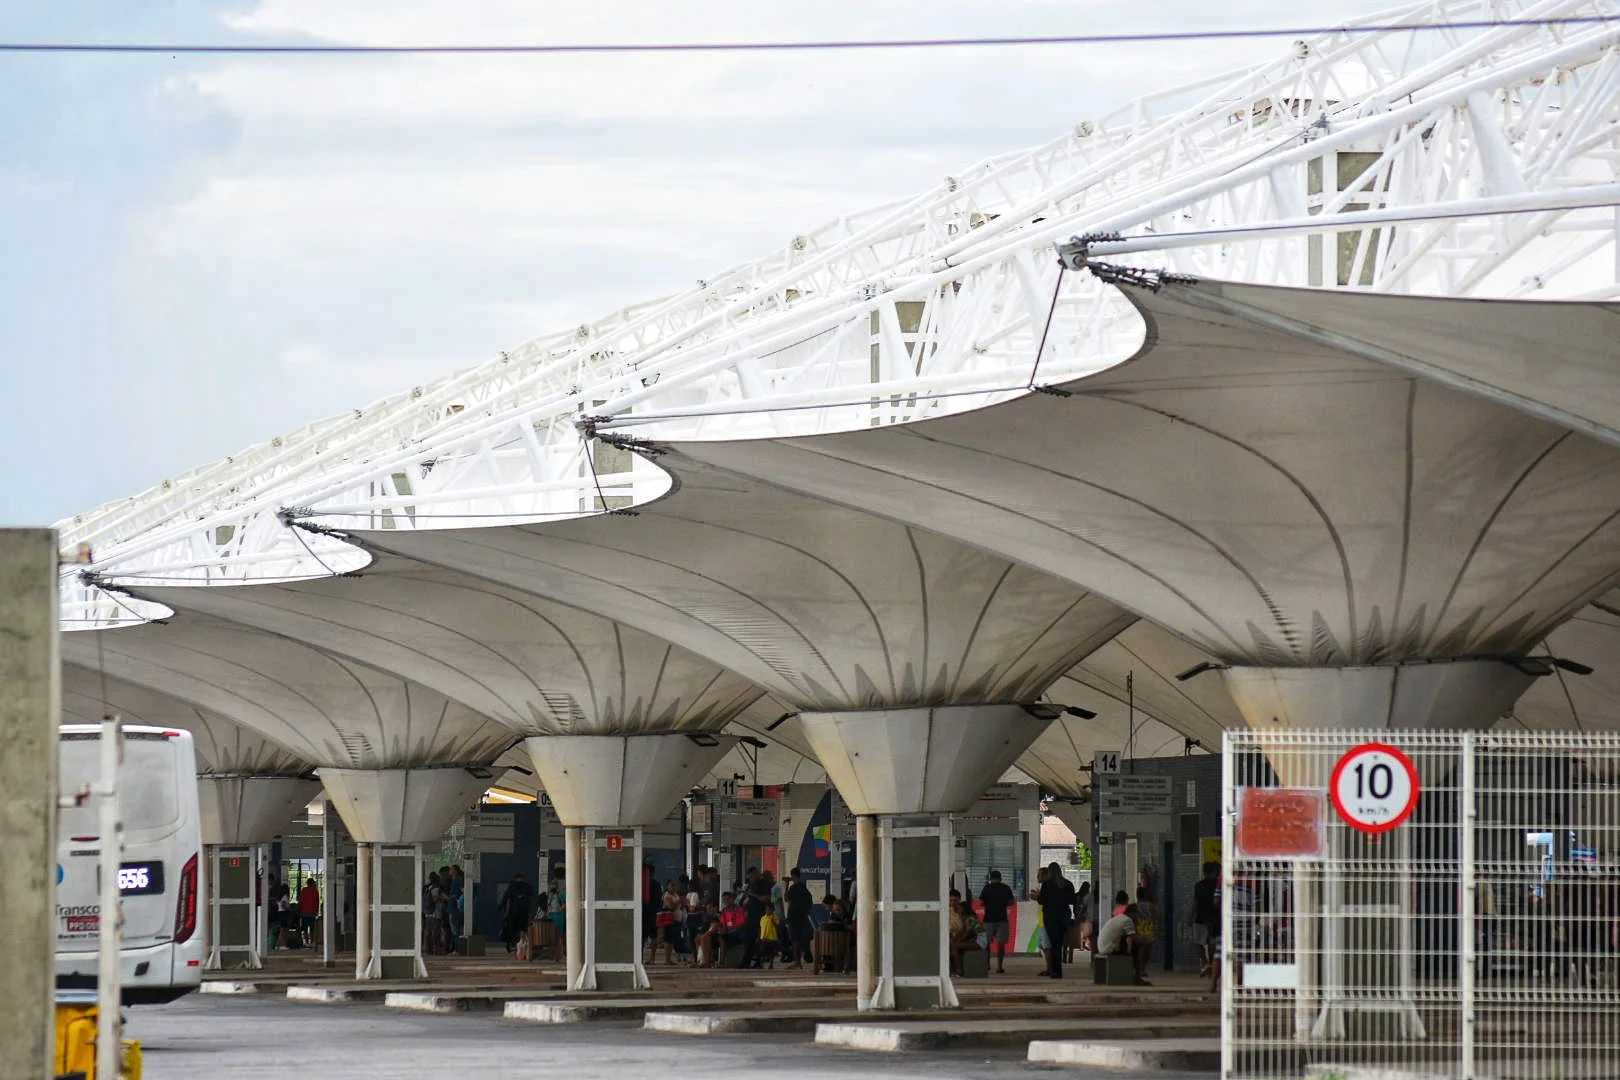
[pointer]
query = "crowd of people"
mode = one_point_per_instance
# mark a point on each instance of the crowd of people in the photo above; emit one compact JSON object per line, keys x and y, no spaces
{"x":293,"y":917}
{"x":442,"y":912}
{"x":690,"y":920}
{"x":1067,"y":922}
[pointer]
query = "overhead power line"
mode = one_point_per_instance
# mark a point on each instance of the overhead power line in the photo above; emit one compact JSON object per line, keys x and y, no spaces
{"x":1570,"y":21}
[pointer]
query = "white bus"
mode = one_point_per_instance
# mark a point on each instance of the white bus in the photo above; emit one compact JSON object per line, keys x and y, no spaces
{"x":158,"y":875}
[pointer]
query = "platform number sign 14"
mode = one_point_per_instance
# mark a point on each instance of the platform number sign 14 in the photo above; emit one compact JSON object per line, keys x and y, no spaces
{"x":1374,"y":787}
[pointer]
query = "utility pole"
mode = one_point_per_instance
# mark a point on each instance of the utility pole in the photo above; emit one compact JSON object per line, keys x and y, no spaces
{"x":30,"y":701}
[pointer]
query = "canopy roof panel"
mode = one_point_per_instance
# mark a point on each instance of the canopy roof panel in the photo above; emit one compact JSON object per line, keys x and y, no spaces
{"x":1555,"y":360}
{"x":538,"y":666}
{"x":224,"y":747}
{"x":1566,"y":701}
{"x":329,"y":711}
{"x":1275,"y":500}
{"x":1141,"y":707}
{"x":825,"y":606}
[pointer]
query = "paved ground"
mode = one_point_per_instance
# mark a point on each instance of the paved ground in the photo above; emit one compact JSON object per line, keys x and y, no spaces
{"x":266,"y":1036}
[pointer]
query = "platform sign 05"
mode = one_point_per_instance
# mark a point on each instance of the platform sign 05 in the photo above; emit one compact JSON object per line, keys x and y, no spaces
{"x":1374,"y":787}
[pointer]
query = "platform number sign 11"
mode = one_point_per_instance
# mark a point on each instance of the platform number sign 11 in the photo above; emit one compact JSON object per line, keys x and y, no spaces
{"x":1374,"y":787}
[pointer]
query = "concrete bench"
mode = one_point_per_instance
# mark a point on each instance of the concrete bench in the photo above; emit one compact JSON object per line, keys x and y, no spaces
{"x":975,"y":964}
{"x":1113,"y":969}
{"x":832,"y":950}
{"x":543,"y":936}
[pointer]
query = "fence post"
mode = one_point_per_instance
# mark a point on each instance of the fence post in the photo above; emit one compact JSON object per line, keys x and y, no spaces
{"x":1467,"y":936}
{"x":1228,"y":853}
{"x":28,"y":716}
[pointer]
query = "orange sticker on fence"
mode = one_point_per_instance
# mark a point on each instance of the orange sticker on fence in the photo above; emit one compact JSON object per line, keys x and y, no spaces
{"x":1281,"y":823}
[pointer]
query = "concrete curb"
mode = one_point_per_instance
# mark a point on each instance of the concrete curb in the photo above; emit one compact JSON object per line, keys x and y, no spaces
{"x":319,"y":995}
{"x":943,"y":1034}
{"x":1176,"y":1055}
{"x":679,"y":1023}
{"x":436,"y":1003}
{"x":227,"y":986}
{"x":569,"y":1012}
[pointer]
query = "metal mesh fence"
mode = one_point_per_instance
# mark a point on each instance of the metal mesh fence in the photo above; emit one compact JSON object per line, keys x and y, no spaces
{"x":1478,"y":938}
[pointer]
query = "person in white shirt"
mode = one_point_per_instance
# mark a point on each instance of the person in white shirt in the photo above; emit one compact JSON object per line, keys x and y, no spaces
{"x":1116,"y":935}
{"x":1119,"y":936}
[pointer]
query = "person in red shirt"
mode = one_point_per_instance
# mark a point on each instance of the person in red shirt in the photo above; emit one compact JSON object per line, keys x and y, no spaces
{"x":309,"y":908}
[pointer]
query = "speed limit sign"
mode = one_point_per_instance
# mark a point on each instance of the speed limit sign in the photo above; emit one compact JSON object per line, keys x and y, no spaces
{"x":1374,"y":787}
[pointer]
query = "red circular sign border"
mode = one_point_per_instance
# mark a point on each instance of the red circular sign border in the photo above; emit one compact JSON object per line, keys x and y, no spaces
{"x":1411,"y":774}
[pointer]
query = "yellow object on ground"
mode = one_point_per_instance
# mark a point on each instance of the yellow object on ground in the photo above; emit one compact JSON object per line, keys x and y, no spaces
{"x":75,"y":1040}
{"x":76,"y":1045}
{"x":132,"y":1060}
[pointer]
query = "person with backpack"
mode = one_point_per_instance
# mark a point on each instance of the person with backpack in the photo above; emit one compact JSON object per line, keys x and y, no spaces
{"x":516,"y":909}
{"x":1056,"y":898}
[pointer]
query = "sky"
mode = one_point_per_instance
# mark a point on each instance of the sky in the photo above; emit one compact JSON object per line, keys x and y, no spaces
{"x":199,"y":253}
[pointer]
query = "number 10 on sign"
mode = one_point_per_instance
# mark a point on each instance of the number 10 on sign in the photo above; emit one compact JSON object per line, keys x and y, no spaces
{"x":1374,"y":788}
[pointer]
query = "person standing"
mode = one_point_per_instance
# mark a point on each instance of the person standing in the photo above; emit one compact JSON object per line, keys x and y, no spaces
{"x":1205,"y":917}
{"x":516,"y":908}
{"x":557,"y":907}
{"x":1056,"y":898}
{"x":1083,"y":918}
{"x":801,"y":933}
{"x":997,"y":899}
{"x":756,"y":902}
{"x":309,"y":909}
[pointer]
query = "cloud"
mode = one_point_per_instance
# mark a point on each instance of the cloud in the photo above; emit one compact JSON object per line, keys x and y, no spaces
{"x":207,"y":252}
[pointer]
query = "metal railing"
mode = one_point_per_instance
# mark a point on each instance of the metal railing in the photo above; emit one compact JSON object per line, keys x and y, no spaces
{"x":1477,"y":938}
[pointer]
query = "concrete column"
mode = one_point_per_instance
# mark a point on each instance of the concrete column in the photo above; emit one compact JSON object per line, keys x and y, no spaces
{"x":29,"y":709}
{"x":604,"y":788}
{"x":362,"y":910}
{"x":390,"y":812}
{"x":264,"y":903}
{"x":866,"y":920}
{"x":904,"y":772}
{"x":574,"y":889}
{"x":331,"y":901}
{"x":205,"y":917}
{"x":239,"y":813}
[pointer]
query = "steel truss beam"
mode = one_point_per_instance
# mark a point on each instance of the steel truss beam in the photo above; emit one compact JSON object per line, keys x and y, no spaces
{"x":1417,"y":141}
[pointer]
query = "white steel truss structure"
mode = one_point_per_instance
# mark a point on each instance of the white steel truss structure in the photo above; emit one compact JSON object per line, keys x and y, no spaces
{"x":1460,"y":161}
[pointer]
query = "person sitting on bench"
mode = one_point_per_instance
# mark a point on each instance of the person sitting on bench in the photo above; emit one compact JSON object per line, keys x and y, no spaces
{"x":1119,"y":938}
{"x":830,"y":945}
{"x":733,"y":923}
{"x":706,"y":936}
{"x":964,"y":932}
